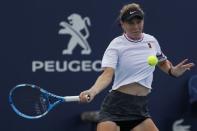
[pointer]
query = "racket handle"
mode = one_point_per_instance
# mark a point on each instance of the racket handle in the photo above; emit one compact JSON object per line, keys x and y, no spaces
{"x":71,"y":98}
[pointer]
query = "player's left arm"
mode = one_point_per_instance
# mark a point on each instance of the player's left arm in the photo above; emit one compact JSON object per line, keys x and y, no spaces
{"x":177,"y":70}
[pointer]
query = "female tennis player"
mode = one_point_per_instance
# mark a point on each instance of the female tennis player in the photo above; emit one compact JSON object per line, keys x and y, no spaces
{"x":125,"y":107}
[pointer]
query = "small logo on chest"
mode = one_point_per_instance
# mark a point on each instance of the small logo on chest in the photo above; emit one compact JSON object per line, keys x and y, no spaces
{"x":149,"y":45}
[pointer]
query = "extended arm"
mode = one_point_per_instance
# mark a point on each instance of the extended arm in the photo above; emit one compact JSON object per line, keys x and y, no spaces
{"x":101,"y":83}
{"x":177,"y":70}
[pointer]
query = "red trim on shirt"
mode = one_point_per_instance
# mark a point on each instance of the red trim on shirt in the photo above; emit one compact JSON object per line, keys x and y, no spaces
{"x":131,"y":40}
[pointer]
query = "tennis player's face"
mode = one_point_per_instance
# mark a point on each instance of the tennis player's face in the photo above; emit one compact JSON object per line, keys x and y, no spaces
{"x":133,"y":28}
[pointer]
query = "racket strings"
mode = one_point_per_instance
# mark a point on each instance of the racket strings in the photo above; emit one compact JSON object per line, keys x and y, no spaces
{"x":30,"y":101}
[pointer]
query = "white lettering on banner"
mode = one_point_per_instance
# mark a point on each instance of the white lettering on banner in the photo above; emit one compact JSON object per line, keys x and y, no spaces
{"x":49,"y":66}
{"x":63,"y":66}
{"x":37,"y":65}
{"x":77,"y":27}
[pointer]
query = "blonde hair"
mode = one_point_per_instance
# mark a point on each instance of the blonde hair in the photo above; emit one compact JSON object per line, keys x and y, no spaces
{"x":130,"y":7}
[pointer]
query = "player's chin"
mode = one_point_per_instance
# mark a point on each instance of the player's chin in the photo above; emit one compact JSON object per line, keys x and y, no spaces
{"x":137,"y":33}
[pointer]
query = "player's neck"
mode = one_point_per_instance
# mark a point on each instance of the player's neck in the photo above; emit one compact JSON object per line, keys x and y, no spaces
{"x":132,"y":38}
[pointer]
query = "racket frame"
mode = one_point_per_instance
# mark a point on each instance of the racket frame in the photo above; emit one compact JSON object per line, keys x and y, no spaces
{"x":60,"y":99}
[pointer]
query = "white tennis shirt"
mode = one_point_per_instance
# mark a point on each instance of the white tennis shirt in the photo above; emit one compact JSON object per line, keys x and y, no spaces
{"x":129,"y":59}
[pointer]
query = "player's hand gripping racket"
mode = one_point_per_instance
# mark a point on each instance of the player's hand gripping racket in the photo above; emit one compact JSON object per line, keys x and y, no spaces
{"x":33,"y":102}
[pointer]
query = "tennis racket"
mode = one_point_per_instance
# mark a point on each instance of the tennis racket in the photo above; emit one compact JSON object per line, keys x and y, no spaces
{"x":33,"y":102}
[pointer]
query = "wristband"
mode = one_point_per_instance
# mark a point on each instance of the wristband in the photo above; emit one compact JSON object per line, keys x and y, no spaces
{"x":170,"y":72}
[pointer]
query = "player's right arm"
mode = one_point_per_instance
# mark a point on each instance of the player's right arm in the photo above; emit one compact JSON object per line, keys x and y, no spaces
{"x":101,"y":83}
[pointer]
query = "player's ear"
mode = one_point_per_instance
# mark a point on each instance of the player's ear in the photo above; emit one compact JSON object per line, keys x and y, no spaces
{"x":122,"y":25}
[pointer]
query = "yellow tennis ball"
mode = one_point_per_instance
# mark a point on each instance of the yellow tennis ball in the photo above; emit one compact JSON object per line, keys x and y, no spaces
{"x":152,"y":60}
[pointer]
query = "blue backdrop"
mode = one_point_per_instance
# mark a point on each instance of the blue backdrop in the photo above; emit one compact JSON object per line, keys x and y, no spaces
{"x":35,"y":36}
